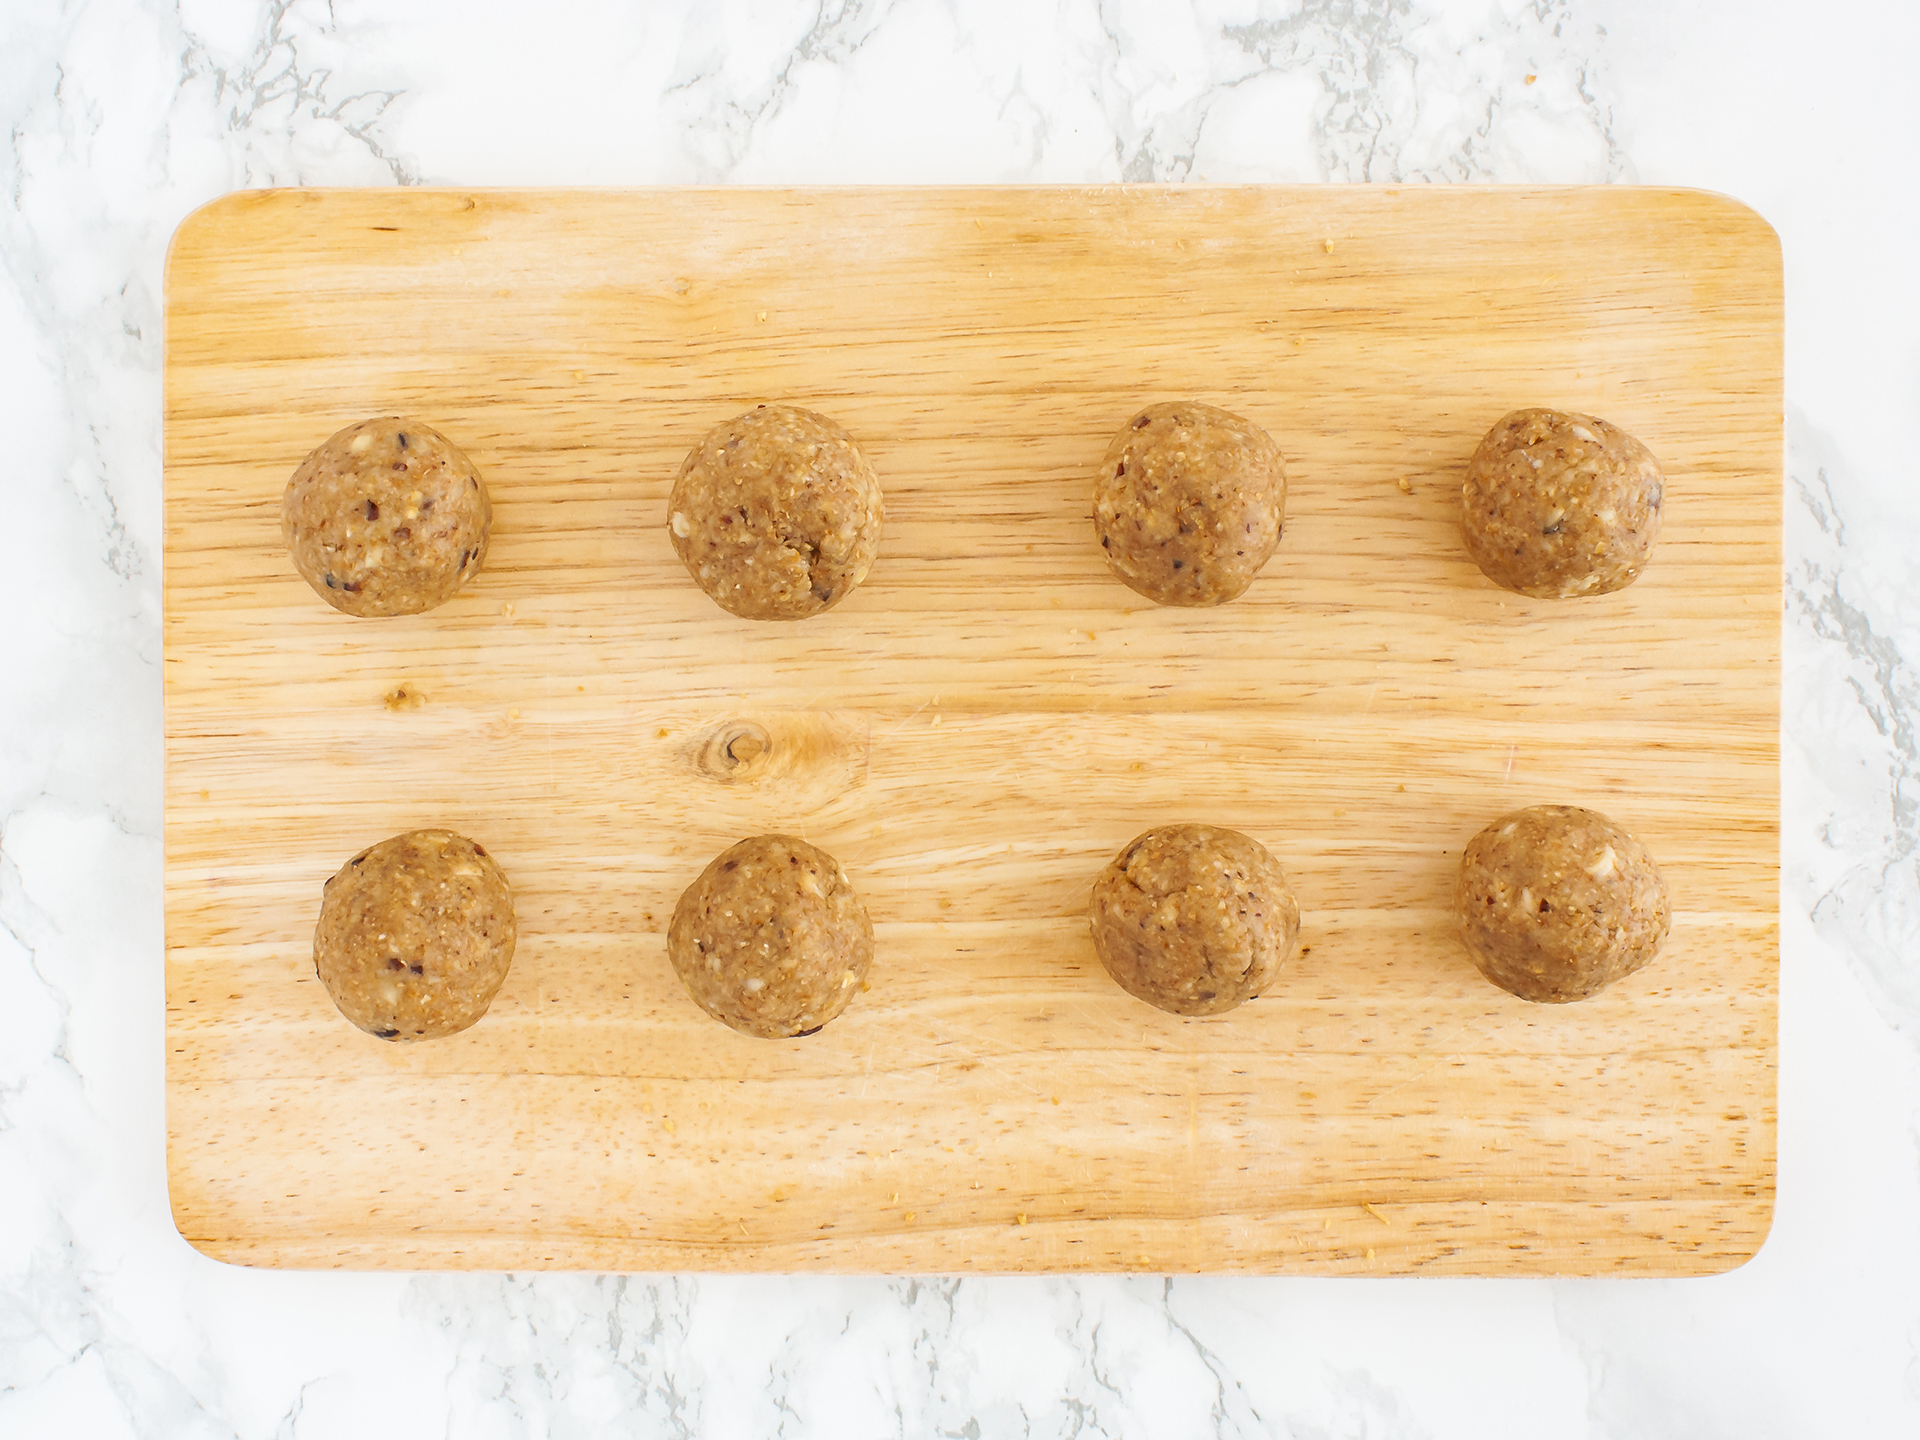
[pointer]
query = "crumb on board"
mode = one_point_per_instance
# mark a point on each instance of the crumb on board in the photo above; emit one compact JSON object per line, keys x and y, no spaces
{"x":1021,"y":1218}
{"x":1406,"y":485}
{"x":1327,"y":245}
{"x":1368,"y":1206}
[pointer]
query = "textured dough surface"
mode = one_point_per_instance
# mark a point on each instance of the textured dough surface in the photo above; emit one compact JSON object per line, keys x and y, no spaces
{"x":776,"y":514}
{"x":1189,"y":503}
{"x":1556,"y":903}
{"x":386,"y":517}
{"x":415,"y":935}
{"x":1193,"y":918}
{"x":771,"y":939}
{"x":1557,"y":504}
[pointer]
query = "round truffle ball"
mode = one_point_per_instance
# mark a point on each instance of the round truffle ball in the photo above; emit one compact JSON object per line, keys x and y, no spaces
{"x":1189,"y":502}
{"x":771,"y":939}
{"x":1556,"y":903}
{"x":1193,"y":918}
{"x":776,"y":514}
{"x":1557,"y":504}
{"x":387,"y":517}
{"x":415,"y":935}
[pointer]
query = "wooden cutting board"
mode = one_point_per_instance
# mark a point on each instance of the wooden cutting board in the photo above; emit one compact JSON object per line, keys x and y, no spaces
{"x":974,"y":733}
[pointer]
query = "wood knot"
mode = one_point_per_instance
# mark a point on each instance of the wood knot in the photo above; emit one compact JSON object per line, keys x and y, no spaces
{"x":735,"y":751}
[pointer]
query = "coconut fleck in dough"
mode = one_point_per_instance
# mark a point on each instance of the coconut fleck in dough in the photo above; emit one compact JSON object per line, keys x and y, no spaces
{"x":415,"y":935}
{"x":1193,"y":918}
{"x":1189,"y":503}
{"x":1557,"y":504}
{"x":771,"y":938}
{"x":387,"y":517}
{"x":776,"y":514}
{"x":1556,"y":903}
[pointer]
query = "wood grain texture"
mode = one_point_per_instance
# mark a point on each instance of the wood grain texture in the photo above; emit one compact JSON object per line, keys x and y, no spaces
{"x":974,"y":733}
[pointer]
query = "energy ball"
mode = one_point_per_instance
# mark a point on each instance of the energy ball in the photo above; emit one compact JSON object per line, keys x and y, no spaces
{"x":1556,"y":903}
{"x":1557,"y":504}
{"x":387,"y":517}
{"x":776,"y":514}
{"x":415,"y":935}
{"x":1193,"y":918}
{"x":771,"y":939}
{"x":1189,"y":503}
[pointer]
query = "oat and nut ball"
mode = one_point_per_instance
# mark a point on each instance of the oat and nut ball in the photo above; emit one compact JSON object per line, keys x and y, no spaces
{"x":1556,"y":903}
{"x":415,"y":935}
{"x":1195,"y":919}
{"x":1189,"y":502}
{"x":1557,"y":504}
{"x":776,"y":514}
{"x":386,"y":517}
{"x":771,"y":939}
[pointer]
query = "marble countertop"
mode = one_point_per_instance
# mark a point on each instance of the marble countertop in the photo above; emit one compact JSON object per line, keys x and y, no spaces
{"x":126,"y":114}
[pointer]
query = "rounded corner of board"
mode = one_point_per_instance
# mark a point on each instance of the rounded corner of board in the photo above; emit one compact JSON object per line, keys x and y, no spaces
{"x":212,"y":1248}
{"x":1748,"y":1246}
{"x":1735,"y":217}
{"x":206,"y":226}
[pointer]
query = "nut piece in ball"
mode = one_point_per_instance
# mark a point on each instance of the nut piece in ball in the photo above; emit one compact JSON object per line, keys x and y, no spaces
{"x":415,"y":935}
{"x":771,"y":939}
{"x":776,"y":514}
{"x":386,"y":517}
{"x":1189,"y":502}
{"x":1556,"y":903}
{"x":1193,"y":918}
{"x":1557,"y":504}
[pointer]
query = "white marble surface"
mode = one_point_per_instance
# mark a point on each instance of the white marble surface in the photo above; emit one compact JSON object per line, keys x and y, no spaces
{"x":125,"y":114}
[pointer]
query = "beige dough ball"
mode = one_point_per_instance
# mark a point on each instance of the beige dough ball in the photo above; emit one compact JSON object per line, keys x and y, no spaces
{"x":1193,"y":918}
{"x":1189,"y":502}
{"x":1556,"y":903}
{"x":776,"y":514}
{"x":387,"y":517}
{"x":415,"y":935}
{"x":771,"y":938}
{"x":1557,"y":504}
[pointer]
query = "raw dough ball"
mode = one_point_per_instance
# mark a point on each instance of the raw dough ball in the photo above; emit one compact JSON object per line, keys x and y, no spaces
{"x":1557,"y":504}
{"x":771,"y":938}
{"x":776,"y":514}
{"x":1556,"y":903}
{"x":1189,"y":502}
{"x":415,"y":935}
{"x":387,"y":517}
{"x":1193,"y":918}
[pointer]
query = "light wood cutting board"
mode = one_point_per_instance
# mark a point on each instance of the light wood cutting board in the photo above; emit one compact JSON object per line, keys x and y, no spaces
{"x":974,"y":733}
